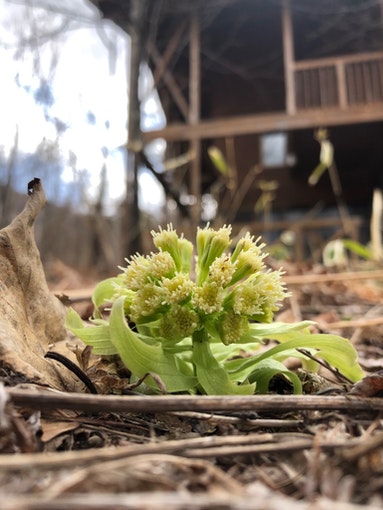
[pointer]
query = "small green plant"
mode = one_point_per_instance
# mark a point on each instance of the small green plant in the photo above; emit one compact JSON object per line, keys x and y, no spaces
{"x":199,"y":327}
{"x":335,"y":253}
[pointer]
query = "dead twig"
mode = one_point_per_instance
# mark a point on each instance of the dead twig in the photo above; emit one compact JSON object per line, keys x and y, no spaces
{"x":356,"y":323}
{"x":202,"y":447}
{"x":370,"y":444}
{"x":238,"y":420}
{"x":46,"y":399}
{"x":84,"y":457}
{"x":301,"y":279}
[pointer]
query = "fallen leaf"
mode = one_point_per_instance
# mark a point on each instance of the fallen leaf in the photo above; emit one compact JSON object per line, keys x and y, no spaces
{"x":369,"y":386}
{"x":31,"y":318}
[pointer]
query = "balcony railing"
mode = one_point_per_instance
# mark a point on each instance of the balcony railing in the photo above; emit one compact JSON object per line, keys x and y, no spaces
{"x":339,"y":82}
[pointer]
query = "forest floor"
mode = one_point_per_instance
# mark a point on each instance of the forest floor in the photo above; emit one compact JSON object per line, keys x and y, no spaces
{"x":317,"y":451}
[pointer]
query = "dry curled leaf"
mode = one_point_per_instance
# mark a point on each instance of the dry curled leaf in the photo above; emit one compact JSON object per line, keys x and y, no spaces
{"x":369,"y":386}
{"x":30,"y":316}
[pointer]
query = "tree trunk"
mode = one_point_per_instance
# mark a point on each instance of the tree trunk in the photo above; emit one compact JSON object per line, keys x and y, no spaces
{"x":131,"y":236}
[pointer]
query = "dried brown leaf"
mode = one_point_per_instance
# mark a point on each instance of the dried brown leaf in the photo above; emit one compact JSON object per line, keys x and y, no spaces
{"x":31,"y":318}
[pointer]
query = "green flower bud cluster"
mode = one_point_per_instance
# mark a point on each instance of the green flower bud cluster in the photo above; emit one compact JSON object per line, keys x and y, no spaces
{"x":230,"y":288}
{"x":194,"y":313}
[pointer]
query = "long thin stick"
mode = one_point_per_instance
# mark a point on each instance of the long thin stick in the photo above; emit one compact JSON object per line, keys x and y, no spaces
{"x":94,"y":403}
{"x":332,"y":277}
{"x":355,"y":323}
{"x":206,"y":447}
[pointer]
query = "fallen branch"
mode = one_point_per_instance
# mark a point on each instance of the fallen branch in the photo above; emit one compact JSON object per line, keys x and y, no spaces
{"x":45,"y":400}
{"x":59,"y":460}
{"x":201,"y":447}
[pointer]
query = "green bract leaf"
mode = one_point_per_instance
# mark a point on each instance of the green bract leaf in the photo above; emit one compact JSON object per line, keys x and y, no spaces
{"x":104,"y":291}
{"x":98,"y":336}
{"x":337,"y":351}
{"x":265,"y":370}
{"x":141,"y":358}
{"x":212,"y":377}
{"x":263,"y":331}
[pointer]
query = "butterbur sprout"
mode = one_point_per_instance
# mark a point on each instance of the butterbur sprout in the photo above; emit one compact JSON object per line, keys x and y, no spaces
{"x":191,"y":329}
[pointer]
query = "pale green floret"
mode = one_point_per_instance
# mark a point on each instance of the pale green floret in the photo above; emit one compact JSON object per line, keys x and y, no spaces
{"x":180,"y":249}
{"x":248,"y":298}
{"x":208,"y":298}
{"x":232,"y":327}
{"x":222,"y":270}
{"x":165,"y":240}
{"x":177,"y":289}
{"x":258,"y":297}
{"x":178,"y":323}
{"x":247,"y":243}
{"x":211,"y":244}
{"x":136,"y":274}
{"x":248,"y":263}
{"x":148,"y":300}
{"x":161,"y":265}
{"x":274,"y":292}
{"x":185,"y":249}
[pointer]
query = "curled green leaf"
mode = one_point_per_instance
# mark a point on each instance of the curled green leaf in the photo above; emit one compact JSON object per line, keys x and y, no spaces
{"x":98,"y":335}
{"x":104,"y":291}
{"x":265,"y":370}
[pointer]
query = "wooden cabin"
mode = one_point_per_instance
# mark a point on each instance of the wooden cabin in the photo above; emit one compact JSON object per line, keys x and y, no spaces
{"x":257,"y":78}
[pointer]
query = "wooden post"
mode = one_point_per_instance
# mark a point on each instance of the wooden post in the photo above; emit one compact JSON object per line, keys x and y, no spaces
{"x":341,"y":81}
{"x":194,"y":116}
{"x":288,"y":57}
{"x":375,"y":225}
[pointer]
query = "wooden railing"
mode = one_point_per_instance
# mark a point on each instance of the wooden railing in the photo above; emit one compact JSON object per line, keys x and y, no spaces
{"x":338,"y":82}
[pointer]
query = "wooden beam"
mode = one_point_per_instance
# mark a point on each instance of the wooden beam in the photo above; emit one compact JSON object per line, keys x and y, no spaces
{"x":170,"y":82}
{"x":264,"y":123}
{"x":354,"y":58}
{"x":288,"y":56}
{"x":168,"y":53}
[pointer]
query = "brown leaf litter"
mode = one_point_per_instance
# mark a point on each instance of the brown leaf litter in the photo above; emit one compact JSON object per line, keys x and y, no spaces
{"x":65,"y":449}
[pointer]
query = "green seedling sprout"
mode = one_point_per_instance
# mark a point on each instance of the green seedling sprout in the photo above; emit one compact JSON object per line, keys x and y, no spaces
{"x":194,"y":321}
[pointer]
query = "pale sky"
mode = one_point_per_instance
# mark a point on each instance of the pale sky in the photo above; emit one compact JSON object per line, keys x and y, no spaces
{"x":89,"y":82}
